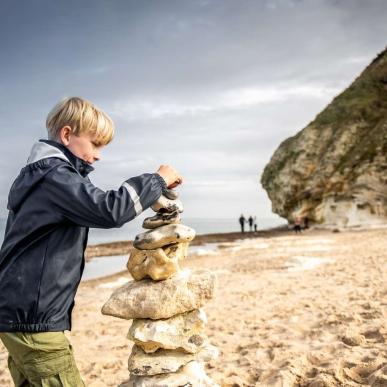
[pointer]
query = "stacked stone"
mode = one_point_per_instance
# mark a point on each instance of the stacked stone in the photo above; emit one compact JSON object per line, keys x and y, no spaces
{"x":164,"y":303}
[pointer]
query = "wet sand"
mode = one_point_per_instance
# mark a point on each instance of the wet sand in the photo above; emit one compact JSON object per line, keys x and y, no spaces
{"x":290,"y":310}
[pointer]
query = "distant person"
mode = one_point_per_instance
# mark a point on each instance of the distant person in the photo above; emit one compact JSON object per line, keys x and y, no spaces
{"x":242,"y":221}
{"x":52,"y":203}
{"x":255,"y":224}
{"x":297,"y":225}
{"x":251,"y":221}
{"x":306,"y":222}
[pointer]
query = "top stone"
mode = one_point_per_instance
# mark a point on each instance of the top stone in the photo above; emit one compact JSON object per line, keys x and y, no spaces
{"x":171,"y":194}
{"x":169,"y":205}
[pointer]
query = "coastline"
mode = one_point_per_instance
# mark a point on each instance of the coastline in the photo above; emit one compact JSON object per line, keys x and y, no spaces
{"x":124,"y":247}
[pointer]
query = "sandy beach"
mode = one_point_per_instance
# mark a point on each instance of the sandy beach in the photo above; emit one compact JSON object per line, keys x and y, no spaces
{"x":290,"y":310}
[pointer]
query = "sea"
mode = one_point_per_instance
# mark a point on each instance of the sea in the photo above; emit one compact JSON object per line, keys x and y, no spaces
{"x":105,"y":266}
{"x":201,"y":225}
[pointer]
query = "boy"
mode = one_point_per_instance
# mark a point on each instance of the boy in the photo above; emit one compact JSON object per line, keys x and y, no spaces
{"x":52,"y":204}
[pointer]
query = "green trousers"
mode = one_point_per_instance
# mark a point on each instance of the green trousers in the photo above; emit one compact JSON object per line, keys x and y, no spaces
{"x":43,"y":359}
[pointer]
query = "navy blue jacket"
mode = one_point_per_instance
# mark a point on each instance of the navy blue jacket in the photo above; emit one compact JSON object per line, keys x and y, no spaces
{"x":52,"y":204}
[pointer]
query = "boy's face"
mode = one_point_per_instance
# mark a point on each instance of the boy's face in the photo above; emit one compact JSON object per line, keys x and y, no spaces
{"x":82,"y":146}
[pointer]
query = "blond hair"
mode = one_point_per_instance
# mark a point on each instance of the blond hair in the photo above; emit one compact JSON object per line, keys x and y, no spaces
{"x":83,"y":117}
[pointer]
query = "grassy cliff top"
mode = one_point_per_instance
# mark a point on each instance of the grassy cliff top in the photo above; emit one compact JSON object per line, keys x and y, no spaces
{"x":363,"y":104}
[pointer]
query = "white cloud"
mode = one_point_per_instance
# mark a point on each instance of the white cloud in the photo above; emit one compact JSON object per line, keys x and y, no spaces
{"x":209,"y":87}
{"x":363,"y":60}
{"x":255,"y":96}
{"x":154,"y":108}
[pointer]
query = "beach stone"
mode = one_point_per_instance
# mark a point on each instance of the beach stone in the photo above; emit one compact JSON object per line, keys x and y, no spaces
{"x":353,"y":338}
{"x":164,"y":235}
{"x":182,"y":293}
{"x":165,"y":360}
{"x":161,"y":219}
{"x":151,"y":263}
{"x":171,"y":194}
{"x":169,"y":205}
{"x":158,"y":264}
{"x":183,"y":332}
{"x":190,"y":375}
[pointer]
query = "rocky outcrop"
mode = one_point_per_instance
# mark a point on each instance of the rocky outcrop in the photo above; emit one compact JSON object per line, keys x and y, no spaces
{"x":334,"y":171}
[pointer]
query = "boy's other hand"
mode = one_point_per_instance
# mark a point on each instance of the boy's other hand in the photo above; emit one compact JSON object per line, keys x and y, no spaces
{"x":170,"y":175}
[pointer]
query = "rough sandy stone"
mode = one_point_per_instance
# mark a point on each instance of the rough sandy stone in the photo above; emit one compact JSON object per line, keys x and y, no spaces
{"x":167,"y":204}
{"x":184,"y":332}
{"x":161,"y":219}
{"x":165,"y":360}
{"x":164,"y":235}
{"x":158,"y":264}
{"x":182,"y":293}
{"x":192,"y":375}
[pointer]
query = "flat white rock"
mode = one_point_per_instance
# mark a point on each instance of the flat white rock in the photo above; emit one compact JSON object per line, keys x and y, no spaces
{"x":184,"y":292}
{"x":191,"y":375}
{"x":165,"y":361}
{"x":183,"y":332}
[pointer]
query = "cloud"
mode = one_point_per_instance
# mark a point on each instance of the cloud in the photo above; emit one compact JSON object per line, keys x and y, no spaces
{"x":210,"y":87}
{"x":233,"y":99}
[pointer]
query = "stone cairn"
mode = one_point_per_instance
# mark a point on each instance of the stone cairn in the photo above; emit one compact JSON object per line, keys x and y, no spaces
{"x":170,"y":345}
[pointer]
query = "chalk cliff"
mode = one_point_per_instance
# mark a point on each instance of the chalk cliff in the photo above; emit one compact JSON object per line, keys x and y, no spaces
{"x":334,"y":171}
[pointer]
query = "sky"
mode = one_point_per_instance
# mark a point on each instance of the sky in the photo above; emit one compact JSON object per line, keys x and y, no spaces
{"x":210,"y":87}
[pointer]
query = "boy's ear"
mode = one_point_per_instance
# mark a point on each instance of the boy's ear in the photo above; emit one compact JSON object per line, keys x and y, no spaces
{"x":64,"y":135}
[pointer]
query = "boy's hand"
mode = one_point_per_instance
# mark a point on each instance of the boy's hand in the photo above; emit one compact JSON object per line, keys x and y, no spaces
{"x":171,"y":176}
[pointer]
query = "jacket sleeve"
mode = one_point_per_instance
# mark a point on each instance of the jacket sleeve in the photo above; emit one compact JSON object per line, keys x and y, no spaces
{"x":81,"y":202}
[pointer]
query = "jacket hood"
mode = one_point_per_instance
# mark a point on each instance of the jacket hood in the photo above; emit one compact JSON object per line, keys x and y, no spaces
{"x":43,"y":150}
{"x":35,"y":170}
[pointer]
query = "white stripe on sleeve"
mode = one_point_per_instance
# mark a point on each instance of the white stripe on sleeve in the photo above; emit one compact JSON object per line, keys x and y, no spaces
{"x":135,"y":198}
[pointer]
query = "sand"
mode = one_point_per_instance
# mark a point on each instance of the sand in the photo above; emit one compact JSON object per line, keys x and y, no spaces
{"x":291,"y":310}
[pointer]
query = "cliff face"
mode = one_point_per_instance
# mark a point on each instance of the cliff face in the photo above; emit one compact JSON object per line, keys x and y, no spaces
{"x":334,"y":171}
